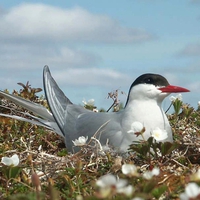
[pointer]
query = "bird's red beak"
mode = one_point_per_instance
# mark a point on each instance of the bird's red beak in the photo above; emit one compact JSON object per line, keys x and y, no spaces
{"x":173,"y":89}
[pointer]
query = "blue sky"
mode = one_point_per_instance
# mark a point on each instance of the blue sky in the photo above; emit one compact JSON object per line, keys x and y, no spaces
{"x":94,"y":47}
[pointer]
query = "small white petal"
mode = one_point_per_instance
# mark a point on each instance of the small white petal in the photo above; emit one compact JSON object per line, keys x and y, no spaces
{"x":148,"y":175}
{"x":121,"y":183}
{"x":6,"y":161}
{"x":179,"y":97}
{"x":136,"y":127}
{"x":129,"y":169}
{"x":155,"y":171}
{"x":137,"y":198}
{"x":159,"y":135}
{"x":109,"y":180}
{"x":106,"y":181}
{"x":80,"y":141}
{"x":95,"y":110}
{"x":15,"y":159}
{"x":91,"y":102}
{"x":172,"y":98}
{"x":183,"y":196}
{"x":128,"y":190}
{"x":197,"y":175}
{"x":192,"y":190}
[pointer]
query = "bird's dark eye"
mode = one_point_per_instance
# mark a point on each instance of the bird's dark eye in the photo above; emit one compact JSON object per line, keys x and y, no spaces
{"x":148,"y":80}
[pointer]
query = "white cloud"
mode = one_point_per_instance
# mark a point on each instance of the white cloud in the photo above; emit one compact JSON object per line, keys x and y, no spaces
{"x":91,"y":77}
{"x":33,"y":35}
{"x":191,"y":50}
{"x":25,"y":56}
{"x":40,"y":22}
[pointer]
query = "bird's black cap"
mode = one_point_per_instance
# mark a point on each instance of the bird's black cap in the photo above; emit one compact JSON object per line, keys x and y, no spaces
{"x":154,"y":79}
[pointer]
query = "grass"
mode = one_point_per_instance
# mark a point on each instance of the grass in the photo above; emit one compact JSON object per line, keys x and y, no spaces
{"x":48,"y":171}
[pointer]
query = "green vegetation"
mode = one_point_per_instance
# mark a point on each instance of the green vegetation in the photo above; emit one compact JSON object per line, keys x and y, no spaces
{"x":47,"y":171}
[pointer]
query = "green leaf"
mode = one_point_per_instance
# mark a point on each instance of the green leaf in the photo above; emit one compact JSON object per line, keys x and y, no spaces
{"x":177,"y":106}
{"x":157,"y":192}
{"x":150,"y":141}
{"x":11,"y":172}
{"x":168,"y":147}
{"x":63,"y":152}
{"x":148,"y":187}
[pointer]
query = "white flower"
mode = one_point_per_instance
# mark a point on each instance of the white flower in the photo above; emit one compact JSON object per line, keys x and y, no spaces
{"x":84,"y":102}
{"x":136,"y":127}
{"x":109,"y":182}
{"x":95,"y":110}
{"x":159,"y":135}
{"x":149,"y":174}
{"x":80,"y":141}
{"x":129,"y":169}
{"x":172,"y":98}
{"x":128,"y":190}
{"x":196,"y":176}
{"x":179,"y":97}
{"x":14,"y":160}
{"x":199,"y":103}
{"x":155,"y":171}
{"x":192,"y":190}
{"x":90,"y":102}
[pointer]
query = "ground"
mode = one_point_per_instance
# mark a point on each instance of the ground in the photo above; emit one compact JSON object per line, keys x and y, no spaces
{"x":47,"y":171}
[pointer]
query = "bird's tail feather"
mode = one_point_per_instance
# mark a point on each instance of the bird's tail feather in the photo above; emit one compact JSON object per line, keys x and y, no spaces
{"x":57,"y":100}
{"x":29,"y":105}
{"x":45,"y":117}
{"x":51,"y":125}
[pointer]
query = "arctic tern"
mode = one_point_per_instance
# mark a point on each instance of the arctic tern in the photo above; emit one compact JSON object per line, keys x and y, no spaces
{"x":71,"y":121}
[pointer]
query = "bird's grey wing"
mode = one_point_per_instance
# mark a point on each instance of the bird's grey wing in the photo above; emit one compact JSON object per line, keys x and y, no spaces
{"x":104,"y":126}
{"x":31,"y":106}
{"x":56,"y":99}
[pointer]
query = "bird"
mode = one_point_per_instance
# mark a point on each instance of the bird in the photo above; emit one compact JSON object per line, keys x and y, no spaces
{"x":71,"y":121}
